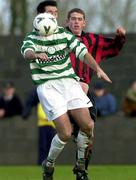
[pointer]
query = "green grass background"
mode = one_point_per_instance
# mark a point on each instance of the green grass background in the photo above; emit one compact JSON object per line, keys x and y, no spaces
{"x":65,"y":173}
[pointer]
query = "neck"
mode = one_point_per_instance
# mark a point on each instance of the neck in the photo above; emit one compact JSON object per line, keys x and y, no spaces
{"x":78,"y":34}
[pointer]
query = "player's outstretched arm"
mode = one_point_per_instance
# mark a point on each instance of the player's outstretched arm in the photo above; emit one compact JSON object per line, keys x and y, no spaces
{"x":88,"y":59}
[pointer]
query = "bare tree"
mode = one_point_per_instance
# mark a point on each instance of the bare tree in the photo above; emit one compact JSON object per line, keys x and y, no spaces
{"x":117,"y":12}
{"x":101,"y":15}
{"x":128,"y":15}
{"x":18,"y":16}
{"x":4,"y":14}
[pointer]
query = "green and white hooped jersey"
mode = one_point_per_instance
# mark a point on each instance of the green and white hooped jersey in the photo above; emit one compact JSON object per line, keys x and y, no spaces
{"x":57,"y":47}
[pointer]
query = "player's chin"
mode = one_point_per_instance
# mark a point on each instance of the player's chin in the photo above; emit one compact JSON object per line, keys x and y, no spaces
{"x":76,"y":32}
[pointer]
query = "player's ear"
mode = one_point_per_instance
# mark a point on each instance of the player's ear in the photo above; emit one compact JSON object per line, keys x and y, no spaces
{"x":84,"y":24}
{"x":66,"y":22}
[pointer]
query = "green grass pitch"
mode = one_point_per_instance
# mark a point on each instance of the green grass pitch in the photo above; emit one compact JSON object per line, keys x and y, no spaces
{"x":104,"y":172}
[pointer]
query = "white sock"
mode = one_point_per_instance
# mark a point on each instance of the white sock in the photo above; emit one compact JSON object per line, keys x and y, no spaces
{"x":57,"y":146}
{"x":82,"y":143}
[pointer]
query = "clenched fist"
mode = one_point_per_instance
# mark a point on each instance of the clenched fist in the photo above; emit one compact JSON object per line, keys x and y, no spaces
{"x":121,"y":31}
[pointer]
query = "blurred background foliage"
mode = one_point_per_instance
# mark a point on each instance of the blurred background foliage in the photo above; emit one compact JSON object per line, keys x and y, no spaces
{"x":102,"y":15}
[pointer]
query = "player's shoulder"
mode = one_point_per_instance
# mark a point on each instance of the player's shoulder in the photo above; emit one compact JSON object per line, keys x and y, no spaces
{"x":31,"y":34}
{"x":90,"y":34}
{"x":63,"y":30}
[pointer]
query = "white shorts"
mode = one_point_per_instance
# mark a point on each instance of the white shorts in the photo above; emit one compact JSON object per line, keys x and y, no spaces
{"x":60,"y":95}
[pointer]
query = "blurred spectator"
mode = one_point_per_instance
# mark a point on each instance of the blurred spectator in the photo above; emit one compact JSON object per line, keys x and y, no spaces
{"x":46,"y":130}
{"x":129,"y":104}
{"x":10,"y":103}
{"x":105,"y":102}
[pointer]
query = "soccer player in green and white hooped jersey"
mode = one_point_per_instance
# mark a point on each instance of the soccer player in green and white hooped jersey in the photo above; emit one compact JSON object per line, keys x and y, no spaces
{"x":58,"y":89}
{"x":58,"y":64}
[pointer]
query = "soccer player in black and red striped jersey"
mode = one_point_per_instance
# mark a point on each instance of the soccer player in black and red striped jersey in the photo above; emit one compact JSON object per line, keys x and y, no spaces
{"x":101,"y":48}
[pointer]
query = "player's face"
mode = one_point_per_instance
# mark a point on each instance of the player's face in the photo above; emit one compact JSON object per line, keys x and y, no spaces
{"x":76,"y":23}
{"x":99,"y":92}
{"x":52,"y":10}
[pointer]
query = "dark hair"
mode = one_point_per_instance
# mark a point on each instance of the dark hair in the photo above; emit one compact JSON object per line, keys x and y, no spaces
{"x":41,"y":6}
{"x":99,"y":86}
{"x":9,"y":84}
{"x":77,"y":10}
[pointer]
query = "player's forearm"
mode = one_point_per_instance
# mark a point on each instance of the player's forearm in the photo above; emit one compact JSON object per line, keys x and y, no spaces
{"x":90,"y":61}
{"x":31,"y":55}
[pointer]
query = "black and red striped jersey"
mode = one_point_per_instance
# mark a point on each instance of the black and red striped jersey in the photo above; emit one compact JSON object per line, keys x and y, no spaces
{"x":100,"y":47}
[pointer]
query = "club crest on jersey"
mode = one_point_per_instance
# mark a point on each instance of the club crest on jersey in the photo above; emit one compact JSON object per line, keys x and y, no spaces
{"x":51,"y":50}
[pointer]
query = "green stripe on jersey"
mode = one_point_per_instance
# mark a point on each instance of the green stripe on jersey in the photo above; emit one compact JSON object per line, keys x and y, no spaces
{"x":41,"y":71}
{"x":41,"y":81}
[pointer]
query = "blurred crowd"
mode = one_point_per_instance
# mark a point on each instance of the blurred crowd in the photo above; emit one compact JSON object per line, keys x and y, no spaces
{"x":129,"y":103}
{"x":12,"y":105}
{"x":106,"y":104}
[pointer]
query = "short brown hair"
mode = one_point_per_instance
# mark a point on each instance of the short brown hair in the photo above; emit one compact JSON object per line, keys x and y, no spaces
{"x":77,"y":10}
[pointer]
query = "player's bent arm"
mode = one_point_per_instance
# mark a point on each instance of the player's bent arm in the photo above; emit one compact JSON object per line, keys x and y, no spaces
{"x":120,"y":37}
{"x":90,"y":61}
{"x":31,"y":55}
